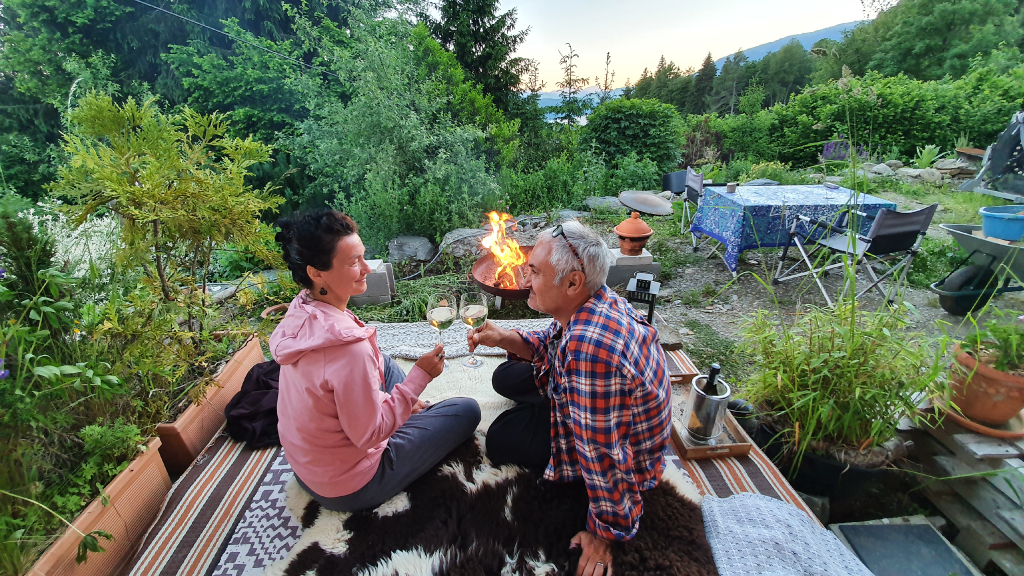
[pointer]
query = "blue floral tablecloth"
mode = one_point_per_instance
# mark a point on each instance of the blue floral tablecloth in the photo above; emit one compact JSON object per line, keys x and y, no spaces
{"x":761,"y":216}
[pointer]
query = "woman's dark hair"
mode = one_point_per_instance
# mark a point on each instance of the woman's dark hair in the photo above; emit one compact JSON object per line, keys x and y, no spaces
{"x":310,"y":238}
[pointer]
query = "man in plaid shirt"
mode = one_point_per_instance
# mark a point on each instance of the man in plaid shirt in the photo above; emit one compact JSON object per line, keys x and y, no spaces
{"x":592,"y":390}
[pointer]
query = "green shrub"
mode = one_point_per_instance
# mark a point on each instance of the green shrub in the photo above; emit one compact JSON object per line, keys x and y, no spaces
{"x":634,"y":174}
{"x":647,"y":128}
{"x":773,"y":171}
{"x":935,"y":260}
{"x":900,"y":114}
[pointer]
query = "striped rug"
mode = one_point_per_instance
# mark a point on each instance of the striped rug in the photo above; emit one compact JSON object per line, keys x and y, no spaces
{"x":227,"y":483}
{"x":752,"y":473}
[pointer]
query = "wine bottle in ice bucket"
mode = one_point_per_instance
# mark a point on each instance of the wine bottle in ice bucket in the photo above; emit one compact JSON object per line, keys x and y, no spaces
{"x":705,"y":411}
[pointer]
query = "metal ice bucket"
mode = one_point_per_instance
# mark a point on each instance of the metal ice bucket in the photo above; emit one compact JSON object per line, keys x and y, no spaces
{"x":705,"y":415}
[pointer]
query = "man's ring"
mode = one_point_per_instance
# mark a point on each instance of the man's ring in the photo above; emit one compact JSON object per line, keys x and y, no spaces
{"x":600,"y":563}
{"x":440,"y":354}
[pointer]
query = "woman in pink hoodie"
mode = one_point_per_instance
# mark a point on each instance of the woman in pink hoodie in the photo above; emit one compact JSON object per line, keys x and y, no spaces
{"x":350,"y":420}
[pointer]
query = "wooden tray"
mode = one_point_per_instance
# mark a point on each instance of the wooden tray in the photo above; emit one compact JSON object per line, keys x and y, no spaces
{"x":733,"y":441}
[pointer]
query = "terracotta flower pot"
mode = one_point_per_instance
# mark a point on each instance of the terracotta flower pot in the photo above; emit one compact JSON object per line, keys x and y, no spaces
{"x":275,"y":309}
{"x":186,"y":437}
{"x":633,"y":235}
{"x":136,"y":495}
{"x":983,"y":393}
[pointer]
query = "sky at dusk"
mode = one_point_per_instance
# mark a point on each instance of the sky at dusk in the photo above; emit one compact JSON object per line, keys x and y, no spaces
{"x":638,"y":33}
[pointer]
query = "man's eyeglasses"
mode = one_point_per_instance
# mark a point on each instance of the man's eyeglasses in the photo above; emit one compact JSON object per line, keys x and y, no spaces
{"x":559,"y":232}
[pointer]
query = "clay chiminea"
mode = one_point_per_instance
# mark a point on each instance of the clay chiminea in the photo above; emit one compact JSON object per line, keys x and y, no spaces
{"x":633,"y":235}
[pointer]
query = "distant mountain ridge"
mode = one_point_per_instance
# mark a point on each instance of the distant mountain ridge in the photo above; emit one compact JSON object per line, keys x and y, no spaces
{"x":806,"y":39}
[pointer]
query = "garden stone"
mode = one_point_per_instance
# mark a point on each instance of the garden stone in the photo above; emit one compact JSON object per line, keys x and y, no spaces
{"x":604,"y":203}
{"x":931,"y":175}
{"x":881,"y":170}
{"x":667,"y":195}
{"x":817,"y":178}
{"x":911,"y":173}
{"x":834,"y":179}
{"x":950,"y":164}
{"x":570,"y":214}
{"x":761,"y":182}
{"x":410,"y":248}
{"x":894,"y":164}
{"x":868,"y":165}
{"x":463,"y":241}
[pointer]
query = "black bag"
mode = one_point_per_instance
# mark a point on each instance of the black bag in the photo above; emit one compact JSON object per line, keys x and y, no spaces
{"x":252,"y":413}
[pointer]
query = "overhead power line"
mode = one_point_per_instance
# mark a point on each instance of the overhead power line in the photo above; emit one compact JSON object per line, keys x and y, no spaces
{"x":238,"y":39}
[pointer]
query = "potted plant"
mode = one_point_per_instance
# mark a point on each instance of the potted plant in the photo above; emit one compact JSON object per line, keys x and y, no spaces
{"x":987,"y":376}
{"x":113,"y":525}
{"x":832,"y":388}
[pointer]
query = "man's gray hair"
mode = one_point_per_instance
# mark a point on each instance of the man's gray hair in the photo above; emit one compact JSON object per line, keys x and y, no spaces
{"x":592,"y":249}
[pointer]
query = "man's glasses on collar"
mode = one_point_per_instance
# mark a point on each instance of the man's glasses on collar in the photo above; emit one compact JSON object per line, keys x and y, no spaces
{"x":559,"y":232}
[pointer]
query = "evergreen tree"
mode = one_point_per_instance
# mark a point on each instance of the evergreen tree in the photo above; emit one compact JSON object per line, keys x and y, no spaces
{"x":573,"y":106}
{"x":729,"y":84}
{"x":483,"y":42}
{"x":703,"y":86}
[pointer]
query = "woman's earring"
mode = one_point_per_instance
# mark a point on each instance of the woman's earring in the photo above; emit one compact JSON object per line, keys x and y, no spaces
{"x":323,"y":291}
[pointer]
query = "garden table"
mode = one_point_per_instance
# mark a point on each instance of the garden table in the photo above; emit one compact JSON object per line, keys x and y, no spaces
{"x":761,"y":216}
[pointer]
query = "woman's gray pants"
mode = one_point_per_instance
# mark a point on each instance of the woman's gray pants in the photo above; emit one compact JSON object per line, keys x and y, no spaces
{"x":414,"y":448}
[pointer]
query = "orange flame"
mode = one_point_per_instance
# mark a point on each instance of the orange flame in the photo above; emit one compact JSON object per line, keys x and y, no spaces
{"x":506,"y":251}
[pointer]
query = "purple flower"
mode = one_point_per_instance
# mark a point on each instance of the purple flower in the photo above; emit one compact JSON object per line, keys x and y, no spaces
{"x":4,"y":374}
{"x":3,"y":272}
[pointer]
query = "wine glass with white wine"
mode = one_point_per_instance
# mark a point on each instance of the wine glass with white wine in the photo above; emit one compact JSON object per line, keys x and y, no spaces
{"x":441,"y":313}
{"x":473,"y":311}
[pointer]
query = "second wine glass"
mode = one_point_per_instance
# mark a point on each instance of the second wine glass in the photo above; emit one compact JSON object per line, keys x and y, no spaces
{"x":441,"y":314}
{"x":473,"y":311}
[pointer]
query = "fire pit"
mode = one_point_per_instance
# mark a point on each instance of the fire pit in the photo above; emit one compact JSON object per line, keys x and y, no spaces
{"x":499,"y":272}
{"x":483,"y":275}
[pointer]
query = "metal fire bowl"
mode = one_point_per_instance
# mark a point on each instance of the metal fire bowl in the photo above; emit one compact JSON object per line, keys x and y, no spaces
{"x":483,"y":271}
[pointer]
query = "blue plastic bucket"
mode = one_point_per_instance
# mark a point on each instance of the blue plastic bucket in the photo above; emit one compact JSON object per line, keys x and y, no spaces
{"x":1003,"y":222}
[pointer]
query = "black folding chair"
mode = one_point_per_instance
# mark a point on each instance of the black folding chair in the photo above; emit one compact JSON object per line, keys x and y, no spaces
{"x":894,"y":236}
{"x":690,"y":183}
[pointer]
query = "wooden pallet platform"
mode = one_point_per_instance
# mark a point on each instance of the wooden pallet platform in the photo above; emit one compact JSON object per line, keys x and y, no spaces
{"x":978,"y":492}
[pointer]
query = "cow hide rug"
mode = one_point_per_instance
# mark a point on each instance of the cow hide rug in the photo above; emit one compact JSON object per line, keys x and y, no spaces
{"x":466,"y":517}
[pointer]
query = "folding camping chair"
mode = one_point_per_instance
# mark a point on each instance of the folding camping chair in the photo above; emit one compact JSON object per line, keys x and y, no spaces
{"x":690,"y":183}
{"x":893,"y":236}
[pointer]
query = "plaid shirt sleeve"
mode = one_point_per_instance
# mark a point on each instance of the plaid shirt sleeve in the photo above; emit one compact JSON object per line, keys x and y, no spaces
{"x":599,"y":404}
{"x":538,"y":344}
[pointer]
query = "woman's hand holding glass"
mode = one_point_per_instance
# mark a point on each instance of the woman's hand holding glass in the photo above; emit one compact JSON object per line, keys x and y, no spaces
{"x":433,"y":362}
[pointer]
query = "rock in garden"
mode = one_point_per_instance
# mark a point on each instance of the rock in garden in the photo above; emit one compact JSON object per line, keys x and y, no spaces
{"x":931,"y":175}
{"x":464,"y":241}
{"x":881,"y":170}
{"x":603,"y":203}
{"x":570,"y":214}
{"x":868,"y":165}
{"x":410,"y":248}
{"x":908,"y":173}
{"x":667,"y":195}
{"x":894,"y":164}
{"x":818,"y":178}
{"x":761,"y":182}
{"x":834,"y":179}
{"x":950,"y":164}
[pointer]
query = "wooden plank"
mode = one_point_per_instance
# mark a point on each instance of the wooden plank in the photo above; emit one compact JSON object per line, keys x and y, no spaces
{"x":982,"y":495}
{"x":980,"y":540}
{"x":1015,"y":519}
{"x":1010,"y":482}
{"x":981,"y":446}
{"x":984,"y":544}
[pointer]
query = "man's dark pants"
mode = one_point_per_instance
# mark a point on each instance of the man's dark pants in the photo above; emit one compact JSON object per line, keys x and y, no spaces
{"x":520,"y":435}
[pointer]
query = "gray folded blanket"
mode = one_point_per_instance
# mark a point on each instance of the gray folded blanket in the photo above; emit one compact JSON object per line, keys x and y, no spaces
{"x":754,"y":534}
